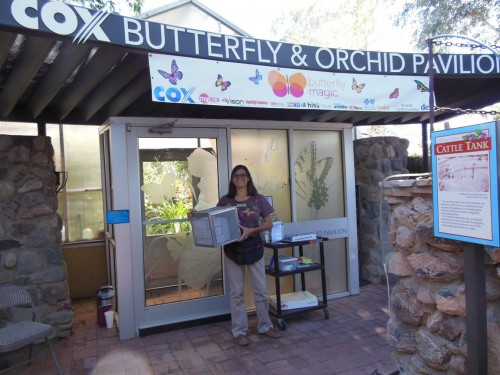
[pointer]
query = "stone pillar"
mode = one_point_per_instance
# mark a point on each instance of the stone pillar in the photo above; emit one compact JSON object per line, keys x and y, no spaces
{"x":375,"y":159}
{"x":427,"y":327}
{"x":30,"y":229}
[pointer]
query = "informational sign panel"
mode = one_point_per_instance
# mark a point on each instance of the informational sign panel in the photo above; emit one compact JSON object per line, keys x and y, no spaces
{"x":465,"y":183}
{"x":200,"y":81}
{"x":117,"y":217}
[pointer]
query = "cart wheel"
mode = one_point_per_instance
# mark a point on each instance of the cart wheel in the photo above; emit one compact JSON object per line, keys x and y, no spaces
{"x":281,"y":324}
{"x":327,"y":314}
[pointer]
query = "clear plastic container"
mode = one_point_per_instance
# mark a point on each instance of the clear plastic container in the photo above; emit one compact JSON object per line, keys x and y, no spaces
{"x":277,"y":231}
{"x":87,"y":233}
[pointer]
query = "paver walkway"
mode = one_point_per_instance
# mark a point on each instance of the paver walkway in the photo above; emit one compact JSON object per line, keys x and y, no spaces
{"x":351,"y":342}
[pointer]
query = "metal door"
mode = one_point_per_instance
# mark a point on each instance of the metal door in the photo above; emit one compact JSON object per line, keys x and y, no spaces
{"x":178,"y":171}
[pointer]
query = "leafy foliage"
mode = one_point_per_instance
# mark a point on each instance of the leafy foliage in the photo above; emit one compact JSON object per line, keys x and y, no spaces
{"x":134,"y":5}
{"x":171,"y":208}
{"x":375,"y":131}
{"x":415,"y":164}
{"x":476,"y":19}
{"x":323,"y":23}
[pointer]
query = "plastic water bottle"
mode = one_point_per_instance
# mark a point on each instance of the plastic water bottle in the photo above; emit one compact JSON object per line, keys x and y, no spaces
{"x":266,"y":236}
{"x":277,"y":231}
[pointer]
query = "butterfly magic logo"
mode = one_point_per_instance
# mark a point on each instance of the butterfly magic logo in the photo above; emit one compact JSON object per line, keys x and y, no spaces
{"x":283,"y":85}
{"x":295,"y":85}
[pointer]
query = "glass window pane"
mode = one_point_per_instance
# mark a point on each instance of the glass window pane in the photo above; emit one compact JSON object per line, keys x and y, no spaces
{"x":318,"y":176}
{"x":80,"y":203}
{"x":176,"y":270}
{"x":85,"y":219}
{"x":319,"y":184}
{"x":265,"y":153}
{"x":178,"y":174}
{"x":82,"y":157}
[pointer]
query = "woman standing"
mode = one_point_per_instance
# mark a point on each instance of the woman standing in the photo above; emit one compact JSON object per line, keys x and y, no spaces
{"x":254,"y":213}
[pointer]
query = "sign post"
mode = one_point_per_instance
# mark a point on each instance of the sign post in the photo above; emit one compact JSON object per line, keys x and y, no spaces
{"x":465,"y":196}
{"x":475,"y":306}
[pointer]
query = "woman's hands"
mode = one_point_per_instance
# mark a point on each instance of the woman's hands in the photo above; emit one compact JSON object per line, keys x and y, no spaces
{"x":246,"y":232}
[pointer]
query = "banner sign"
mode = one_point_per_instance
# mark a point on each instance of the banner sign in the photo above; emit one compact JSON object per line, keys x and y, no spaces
{"x":81,"y":25}
{"x":465,"y":183}
{"x":197,"y":81}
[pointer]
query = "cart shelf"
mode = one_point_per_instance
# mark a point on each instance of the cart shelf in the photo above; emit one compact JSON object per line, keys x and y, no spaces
{"x":277,"y":274}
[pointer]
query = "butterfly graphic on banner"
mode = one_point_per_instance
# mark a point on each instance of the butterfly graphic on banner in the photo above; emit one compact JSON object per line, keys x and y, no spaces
{"x":420,"y":86}
{"x":174,"y":75}
{"x":356,"y":87}
{"x":283,"y":85}
{"x":221,"y":83}
{"x":257,"y":78}
{"x":310,"y":176}
{"x":394,"y":94}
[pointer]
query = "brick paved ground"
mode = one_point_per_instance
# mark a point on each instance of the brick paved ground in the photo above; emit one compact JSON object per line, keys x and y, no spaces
{"x":351,"y":342}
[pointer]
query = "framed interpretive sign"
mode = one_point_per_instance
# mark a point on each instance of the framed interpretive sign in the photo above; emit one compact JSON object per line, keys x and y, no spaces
{"x":465,"y":183}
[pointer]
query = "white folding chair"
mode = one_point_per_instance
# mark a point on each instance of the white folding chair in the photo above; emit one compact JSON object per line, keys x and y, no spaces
{"x":17,"y":335}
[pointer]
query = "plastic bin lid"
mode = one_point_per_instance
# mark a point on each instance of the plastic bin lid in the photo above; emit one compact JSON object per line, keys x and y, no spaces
{"x":106,"y":292}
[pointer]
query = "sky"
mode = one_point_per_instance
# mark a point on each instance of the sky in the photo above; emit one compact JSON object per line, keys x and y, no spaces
{"x":254,"y":16}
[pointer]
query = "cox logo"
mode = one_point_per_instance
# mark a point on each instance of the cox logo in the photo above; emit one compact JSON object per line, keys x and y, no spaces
{"x":174,"y":94}
{"x":60,"y":18}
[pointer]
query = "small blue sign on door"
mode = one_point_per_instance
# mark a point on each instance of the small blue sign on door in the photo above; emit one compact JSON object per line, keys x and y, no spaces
{"x":117,"y":216}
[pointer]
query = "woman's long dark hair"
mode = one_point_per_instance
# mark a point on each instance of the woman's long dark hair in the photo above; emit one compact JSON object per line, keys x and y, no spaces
{"x":251,"y":189}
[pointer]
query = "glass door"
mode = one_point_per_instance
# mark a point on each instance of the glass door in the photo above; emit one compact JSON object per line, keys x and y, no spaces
{"x":177,"y":172}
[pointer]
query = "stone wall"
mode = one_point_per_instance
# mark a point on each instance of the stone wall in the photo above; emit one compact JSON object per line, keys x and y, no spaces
{"x":427,"y":327}
{"x":30,"y":229}
{"x":375,"y":159}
